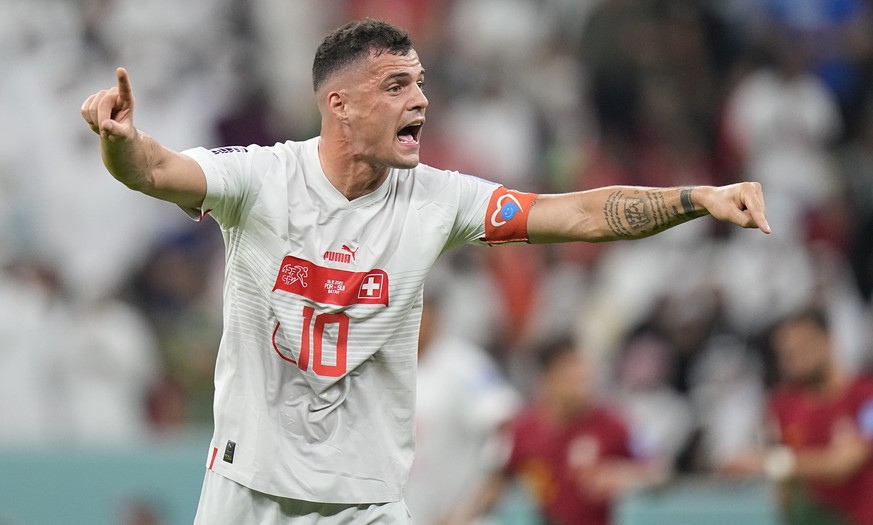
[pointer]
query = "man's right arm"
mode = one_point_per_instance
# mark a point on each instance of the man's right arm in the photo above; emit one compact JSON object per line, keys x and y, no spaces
{"x":136,"y":159}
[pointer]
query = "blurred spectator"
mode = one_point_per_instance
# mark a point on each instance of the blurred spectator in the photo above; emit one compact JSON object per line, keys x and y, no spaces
{"x":178,"y":289}
{"x":140,"y":511}
{"x":727,"y":391}
{"x":660,"y":418}
{"x":573,"y":453}
{"x":462,"y":400}
{"x":109,"y":362}
{"x":615,"y":46}
{"x":73,"y":372}
{"x":836,"y":35}
{"x":823,"y":415}
{"x":32,"y":329}
{"x":283,"y":35}
{"x":719,"y":377}
{"x":783,"y":121}
{"x":857,"y":177}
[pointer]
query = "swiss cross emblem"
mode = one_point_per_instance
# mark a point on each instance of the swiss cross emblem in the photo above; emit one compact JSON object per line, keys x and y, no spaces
{"x":331,"y":285}
{"x":371,"y":286}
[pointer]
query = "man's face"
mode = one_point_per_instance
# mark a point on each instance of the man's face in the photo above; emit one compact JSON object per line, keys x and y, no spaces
{"x":803,"y":352}
{"x":569,"y":381}
{"x":386,"y":108}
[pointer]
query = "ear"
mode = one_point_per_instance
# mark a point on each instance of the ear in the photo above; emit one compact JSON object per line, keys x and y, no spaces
{"x":337,"y":104}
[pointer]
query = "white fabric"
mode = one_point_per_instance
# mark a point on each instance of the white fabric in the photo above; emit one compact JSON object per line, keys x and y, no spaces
{"x":225,"y":502}
{"x":462,"y":401}
{"x":298,"y":434}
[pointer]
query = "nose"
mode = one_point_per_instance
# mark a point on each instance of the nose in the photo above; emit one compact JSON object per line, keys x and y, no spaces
{"x":419,"y":100}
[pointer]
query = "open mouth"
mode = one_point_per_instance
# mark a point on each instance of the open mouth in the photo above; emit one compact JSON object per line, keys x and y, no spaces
{"x":409,"y":134}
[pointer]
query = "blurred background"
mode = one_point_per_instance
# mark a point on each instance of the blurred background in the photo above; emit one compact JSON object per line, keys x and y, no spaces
{"x":110,"y":302}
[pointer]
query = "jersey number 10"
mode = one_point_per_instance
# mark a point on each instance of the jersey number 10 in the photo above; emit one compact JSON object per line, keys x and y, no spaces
{"x":312,"y":343}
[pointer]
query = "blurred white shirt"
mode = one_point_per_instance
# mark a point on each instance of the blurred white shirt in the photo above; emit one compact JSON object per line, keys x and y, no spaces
{"x":462,"y":400}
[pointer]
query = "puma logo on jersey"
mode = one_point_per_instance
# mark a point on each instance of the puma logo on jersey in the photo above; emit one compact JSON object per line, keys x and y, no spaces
{"x":345,"y":256}
{"x":293,"y":274}
{"x":351,"y":251}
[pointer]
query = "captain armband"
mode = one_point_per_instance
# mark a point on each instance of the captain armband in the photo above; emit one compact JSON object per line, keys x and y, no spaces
{"x":506,"y":216}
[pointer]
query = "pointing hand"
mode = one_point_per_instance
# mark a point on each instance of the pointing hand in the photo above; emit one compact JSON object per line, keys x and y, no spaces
{"x":109,"y":112}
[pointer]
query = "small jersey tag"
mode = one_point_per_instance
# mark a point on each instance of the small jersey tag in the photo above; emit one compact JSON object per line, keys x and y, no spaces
{"x":229,"y":450}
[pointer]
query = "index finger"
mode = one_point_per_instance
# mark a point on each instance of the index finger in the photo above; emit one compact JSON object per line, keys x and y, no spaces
{"x":755,"y":206}
{"x":125,"y":90}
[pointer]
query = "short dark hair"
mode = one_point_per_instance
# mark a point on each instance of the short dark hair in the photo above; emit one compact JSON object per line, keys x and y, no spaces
{"x":353,"y":41}
{"x":810,"y":314}
{"x":549,"y":351}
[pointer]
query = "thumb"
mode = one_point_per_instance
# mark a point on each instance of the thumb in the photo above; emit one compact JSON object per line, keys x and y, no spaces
{"x":115,"y":131}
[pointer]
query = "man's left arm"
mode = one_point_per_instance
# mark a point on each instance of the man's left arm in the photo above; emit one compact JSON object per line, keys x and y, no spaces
{"x":848,"y":451}
{"x":846,"y":454}
{"x":631,"y":212}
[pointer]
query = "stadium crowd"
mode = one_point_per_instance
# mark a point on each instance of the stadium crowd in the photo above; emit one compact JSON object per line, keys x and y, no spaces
{"x":111,"y":301}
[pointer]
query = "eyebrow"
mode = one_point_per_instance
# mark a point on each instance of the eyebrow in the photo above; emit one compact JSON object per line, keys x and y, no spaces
{"x":401,"y":75}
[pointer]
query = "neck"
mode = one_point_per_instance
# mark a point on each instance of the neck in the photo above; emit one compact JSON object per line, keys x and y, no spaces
{"x":351,"y":176}
{"x":561,"y":413}
{"x":830,"y":383}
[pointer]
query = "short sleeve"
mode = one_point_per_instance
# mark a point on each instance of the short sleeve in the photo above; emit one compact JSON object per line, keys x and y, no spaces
{"x":490,"y":214}
{"x":233,"y":177}
{"x":470,"y":198}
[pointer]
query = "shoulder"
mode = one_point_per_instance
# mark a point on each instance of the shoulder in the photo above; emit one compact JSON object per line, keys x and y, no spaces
{"x":864,"y":380}
{"x":283,"y":160}
{"x":862,"y":387}
{"x":434,"y":181}
{"x":528,"y":418}
{"x":289,"y":150}
{"x":252,"y":155}
{"x":785,"y":398}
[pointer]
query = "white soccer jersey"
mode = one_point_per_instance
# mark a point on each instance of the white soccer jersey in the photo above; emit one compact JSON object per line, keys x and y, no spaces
{"x":315,"y":375}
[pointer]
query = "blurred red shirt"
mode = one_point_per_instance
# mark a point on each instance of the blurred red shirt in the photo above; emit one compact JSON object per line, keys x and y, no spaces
{"x":555,"y":460}
{"x":807,"y":421}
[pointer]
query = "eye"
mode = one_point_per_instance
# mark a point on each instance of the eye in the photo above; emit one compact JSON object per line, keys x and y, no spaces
{"x":420,"y":84}
{"x":395,"y":88}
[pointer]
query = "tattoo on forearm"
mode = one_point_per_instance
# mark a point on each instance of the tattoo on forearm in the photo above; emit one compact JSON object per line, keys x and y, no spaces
{"x":685,"y":199}
{"x":640,"y":213}
{"x":613,"y":209}
{"x":659,"y":209}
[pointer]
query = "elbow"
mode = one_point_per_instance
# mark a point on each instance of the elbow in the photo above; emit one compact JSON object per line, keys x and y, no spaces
{"x":142,"y":184}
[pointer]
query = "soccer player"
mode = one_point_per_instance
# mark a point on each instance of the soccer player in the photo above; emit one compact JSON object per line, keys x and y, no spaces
{"x":328,"y":242}
{"x":571,"y":449}
{"x":823,"y":415}
{"x":459,"y":413}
